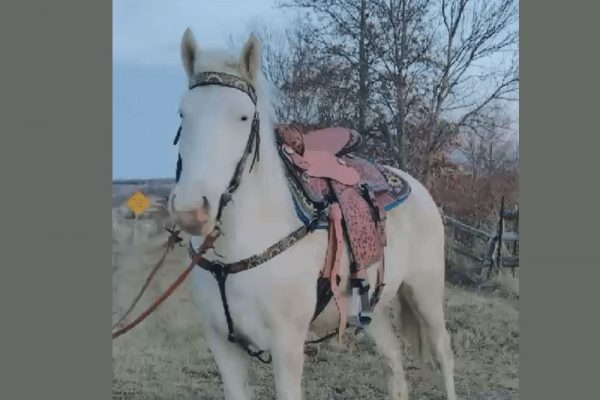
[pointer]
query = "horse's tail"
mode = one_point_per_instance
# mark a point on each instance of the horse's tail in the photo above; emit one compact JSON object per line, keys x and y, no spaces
{"x":411,"y":327}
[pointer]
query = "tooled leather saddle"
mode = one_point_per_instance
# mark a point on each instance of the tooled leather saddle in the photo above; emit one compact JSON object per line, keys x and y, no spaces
{"x":349,"y":196}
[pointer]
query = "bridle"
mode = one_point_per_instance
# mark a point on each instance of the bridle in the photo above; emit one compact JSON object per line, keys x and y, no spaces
{"x":218,"y":269}
{"x":253,"y":143}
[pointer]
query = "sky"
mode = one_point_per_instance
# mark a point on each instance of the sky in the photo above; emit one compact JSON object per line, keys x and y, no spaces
{"x":148,"y":78}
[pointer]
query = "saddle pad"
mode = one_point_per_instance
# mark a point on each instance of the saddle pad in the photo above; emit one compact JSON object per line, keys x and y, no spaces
{"x":397,"y":191}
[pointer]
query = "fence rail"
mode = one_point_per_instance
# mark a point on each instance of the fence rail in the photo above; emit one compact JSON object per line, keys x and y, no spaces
{"x":499,"y":249}
{"x":467,"y":228}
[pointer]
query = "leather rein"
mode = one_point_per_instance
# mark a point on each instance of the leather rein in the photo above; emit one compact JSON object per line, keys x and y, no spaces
{"x":218,"y":269}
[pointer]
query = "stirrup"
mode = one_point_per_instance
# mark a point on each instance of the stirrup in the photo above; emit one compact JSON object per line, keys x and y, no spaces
{"x":361,"y":312}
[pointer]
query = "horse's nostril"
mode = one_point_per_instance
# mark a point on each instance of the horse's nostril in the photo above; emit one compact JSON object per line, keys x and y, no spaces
{"x":205,"y":202}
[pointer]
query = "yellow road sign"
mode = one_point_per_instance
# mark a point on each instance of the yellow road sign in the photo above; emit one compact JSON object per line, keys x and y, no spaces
{"x":138,"y":203}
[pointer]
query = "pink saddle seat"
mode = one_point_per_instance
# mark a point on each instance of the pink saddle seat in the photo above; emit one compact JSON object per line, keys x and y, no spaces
{"x":330,"y":140}
{"x":316,"y":152}
{"x":324,"y":164}
{"x":336,"y":140}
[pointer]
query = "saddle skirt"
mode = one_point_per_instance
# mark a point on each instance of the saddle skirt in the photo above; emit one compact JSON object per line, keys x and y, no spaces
{"x":321,"y":171}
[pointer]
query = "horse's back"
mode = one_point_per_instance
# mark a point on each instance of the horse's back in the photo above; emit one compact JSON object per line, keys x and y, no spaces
{"x":419,"y":204}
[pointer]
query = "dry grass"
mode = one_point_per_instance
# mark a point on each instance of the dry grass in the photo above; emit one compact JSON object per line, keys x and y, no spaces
{"x":166,"y":357}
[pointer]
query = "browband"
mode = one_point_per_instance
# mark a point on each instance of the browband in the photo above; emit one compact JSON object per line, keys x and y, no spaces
{"x":223,"y":79}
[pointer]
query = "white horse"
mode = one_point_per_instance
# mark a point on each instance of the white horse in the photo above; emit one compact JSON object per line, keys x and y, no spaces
{"x":272,"y":305}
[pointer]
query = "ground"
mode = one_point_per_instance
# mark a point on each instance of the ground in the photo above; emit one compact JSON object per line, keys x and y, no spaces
{"x":166,"y":356}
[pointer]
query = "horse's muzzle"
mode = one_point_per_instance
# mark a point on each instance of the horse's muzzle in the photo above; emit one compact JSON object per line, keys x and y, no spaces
{"x":195,"y":220}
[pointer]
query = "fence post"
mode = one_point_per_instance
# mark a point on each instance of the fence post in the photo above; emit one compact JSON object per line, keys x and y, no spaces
{"x":500,"y":233}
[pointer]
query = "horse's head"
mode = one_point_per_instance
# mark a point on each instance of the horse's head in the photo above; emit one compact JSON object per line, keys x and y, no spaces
{"x":216,"y":123}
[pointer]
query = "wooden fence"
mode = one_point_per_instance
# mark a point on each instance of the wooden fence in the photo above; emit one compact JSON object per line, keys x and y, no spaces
{"x":491,"y":250}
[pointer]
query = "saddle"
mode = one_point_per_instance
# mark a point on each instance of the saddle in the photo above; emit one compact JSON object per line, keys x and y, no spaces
{"x":347,"y":195}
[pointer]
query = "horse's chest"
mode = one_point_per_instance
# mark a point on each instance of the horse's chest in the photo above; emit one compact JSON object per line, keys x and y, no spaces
{"x":277,"y":290}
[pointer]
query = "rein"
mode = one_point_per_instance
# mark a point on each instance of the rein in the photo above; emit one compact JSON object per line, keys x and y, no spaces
{"x":171,"y":242}
{"x":206,"y":245}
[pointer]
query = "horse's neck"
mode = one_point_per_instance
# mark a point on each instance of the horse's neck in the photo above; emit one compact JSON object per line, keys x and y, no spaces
{"x":261,"y":211}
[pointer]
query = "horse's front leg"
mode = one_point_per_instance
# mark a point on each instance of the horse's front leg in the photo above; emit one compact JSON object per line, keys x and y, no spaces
{"x":233,"y":364}
{"x":288,"y":362}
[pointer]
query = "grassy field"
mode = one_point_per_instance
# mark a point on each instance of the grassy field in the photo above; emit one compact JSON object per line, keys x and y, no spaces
{"x":166,"y":356}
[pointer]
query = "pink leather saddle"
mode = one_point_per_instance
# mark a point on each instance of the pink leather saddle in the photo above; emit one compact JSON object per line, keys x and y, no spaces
{"x":348,"y":196}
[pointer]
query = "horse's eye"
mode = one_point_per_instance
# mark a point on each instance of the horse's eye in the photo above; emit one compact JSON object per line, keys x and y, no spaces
{"x":244,"y":118}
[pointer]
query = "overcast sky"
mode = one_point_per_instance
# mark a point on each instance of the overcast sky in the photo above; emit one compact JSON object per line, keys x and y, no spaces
{"x":148,"y":79}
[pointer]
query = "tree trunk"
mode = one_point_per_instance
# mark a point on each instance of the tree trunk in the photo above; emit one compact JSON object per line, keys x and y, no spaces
{"x":401,"y":90}
{"x":401,"y":137}
{"x":363,"y":70}
{"x":427,"y":172}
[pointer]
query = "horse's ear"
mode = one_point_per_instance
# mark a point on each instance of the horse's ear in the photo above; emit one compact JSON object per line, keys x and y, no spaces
{"x":250,"y":59}
{"x":189,"y":51}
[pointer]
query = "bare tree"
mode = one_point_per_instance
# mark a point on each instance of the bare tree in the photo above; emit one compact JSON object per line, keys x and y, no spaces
{"x":401,"y":46}
{"x":343,"y":31}
{"x":428,"y":69}
{"x":473,"y":32}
